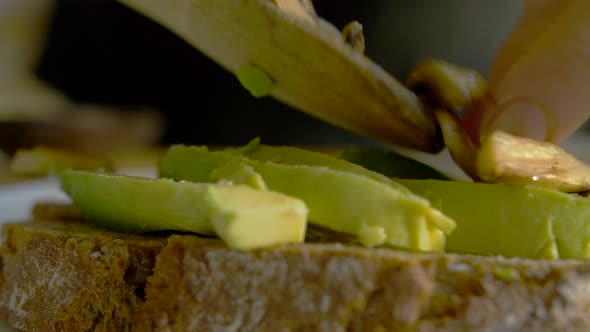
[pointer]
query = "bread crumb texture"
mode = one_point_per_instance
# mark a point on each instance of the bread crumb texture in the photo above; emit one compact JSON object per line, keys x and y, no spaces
{"x":72,"y":277}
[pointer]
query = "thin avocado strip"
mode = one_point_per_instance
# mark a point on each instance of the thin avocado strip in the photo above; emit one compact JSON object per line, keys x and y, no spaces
{"x":288,"y":155}
{"x":495,"y":219}
{"x":255,"y":80}
{"x":241,"y":216}
{"x":342,"y":201}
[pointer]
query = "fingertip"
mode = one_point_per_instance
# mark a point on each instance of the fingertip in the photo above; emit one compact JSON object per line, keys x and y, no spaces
{"x":541,"y":85}
{"x":523,"y":118}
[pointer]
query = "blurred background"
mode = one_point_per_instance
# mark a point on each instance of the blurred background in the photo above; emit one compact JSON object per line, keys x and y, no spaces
{"x":101,"y":52}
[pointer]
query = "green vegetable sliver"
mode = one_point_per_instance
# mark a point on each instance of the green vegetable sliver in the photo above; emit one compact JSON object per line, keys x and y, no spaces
{"x":288,"y":155}
{"x":255,"y":80}
{"x":241,"y":216}
{"x":128,"y":203}
{"x":338,"y":200}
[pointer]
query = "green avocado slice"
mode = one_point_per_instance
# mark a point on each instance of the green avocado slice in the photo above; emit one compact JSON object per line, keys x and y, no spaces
{"x":523,"y":221}
{"x":288,"y":155}
{"x":255,"y":80}
{"x":241,"y":216}
{"x":348,"y":202}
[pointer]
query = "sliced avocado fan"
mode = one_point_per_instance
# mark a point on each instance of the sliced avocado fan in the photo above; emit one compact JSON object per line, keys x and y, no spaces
{"x":243,"y":217}
{"x":340,"y":195}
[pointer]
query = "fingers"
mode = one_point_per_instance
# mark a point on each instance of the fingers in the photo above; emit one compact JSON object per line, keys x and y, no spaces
{"x":539,"y":84}
{"x":535,"y":20}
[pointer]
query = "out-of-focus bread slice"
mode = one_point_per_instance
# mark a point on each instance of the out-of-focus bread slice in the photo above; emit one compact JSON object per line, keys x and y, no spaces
{"x":68,"y":276}
{"x":59,"y":276}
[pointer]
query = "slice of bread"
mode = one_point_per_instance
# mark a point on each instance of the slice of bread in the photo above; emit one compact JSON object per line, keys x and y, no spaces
{"x":69,"y":276}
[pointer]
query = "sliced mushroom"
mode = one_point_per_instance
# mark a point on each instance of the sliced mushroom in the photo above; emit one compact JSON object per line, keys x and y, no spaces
{"x":503,"y":158}
{"x":508,"y":159}
{"x":451,"y":86}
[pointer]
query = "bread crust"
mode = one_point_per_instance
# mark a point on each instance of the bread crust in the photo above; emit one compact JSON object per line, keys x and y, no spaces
{"x":72,"y":277}
{"x":196,"y":284}
{"x":338,"y":288}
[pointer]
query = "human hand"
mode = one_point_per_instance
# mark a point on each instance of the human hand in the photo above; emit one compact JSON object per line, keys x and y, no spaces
{"x":540,"y":79}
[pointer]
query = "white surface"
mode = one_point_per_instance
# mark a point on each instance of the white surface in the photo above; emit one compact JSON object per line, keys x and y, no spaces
{"x":18,"y":199}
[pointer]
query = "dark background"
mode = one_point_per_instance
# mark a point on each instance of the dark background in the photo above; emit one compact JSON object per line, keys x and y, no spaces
{"x":102,"y":52}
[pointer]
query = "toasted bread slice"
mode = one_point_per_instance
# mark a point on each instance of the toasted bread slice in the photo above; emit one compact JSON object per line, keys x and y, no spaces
{"x":73,"y":277}
{"x":70,"y":276}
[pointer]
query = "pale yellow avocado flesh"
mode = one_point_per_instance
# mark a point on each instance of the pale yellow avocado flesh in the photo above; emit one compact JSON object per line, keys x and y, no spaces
{"x":515,"y":221}
{"x":288,"y":155}
{"x":241,"y":216}
{"x":377,"y":212}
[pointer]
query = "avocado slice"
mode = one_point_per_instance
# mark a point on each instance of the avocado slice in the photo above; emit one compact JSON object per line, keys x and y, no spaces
{"x":523,"y":221}
{"x":255,"y":80}
{"x":238,"y":173}
{"x":348,"y":202}
{"x":241,"y":216}
{"x":288,"y":155}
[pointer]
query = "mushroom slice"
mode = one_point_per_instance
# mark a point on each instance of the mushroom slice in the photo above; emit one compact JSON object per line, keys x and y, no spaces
{"x":451,"y":86}
{"x":503,"y":158}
